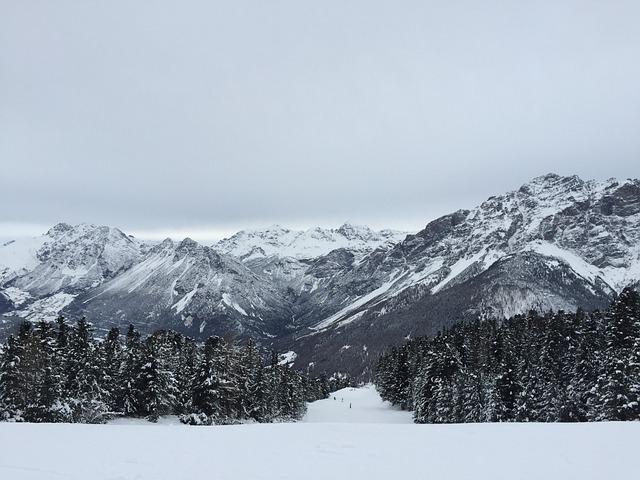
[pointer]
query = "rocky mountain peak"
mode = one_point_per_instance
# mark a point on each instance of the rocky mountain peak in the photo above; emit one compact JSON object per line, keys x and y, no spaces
{"x":59,"y":229}
{"x":71,"y":259}
{"x":357,"y":232}
{"x":187,"y":245}
{"x":166,"y":243}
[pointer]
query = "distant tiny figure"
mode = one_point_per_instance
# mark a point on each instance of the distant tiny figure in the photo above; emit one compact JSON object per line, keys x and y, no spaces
{"x":334,"y":398}
{"x":342,"y":399}
{"x":349,"y":405}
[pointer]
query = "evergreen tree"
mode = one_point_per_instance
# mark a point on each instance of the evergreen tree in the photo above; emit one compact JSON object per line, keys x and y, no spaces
{"x":88,"y":399}
{"x":111,"y":352}
{"x":156,"y":381}
{"x":251,"y":383}
{"x":46,"y":403}
{"x":188,"y":359}
{"x":128,"y":395}
{"x":207,"y":389}
{"x":12,"y":402}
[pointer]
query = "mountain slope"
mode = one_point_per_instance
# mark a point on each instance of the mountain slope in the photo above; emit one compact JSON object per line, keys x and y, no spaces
{"x":189,"y":288}
{"x":42,"y":275}
{"x":591,"y":227}
{"x":303,"y":263}
{"x":556,"y":243}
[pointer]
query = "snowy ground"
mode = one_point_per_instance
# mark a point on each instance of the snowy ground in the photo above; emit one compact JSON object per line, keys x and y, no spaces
{"x":334,"y":442}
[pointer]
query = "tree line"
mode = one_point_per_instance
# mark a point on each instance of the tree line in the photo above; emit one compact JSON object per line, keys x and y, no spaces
{"x":56,"y":372}
{"x":556,"y":367}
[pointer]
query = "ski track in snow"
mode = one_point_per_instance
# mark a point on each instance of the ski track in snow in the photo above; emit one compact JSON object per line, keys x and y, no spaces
{"x":370,"y":440}
{"x":355,"y":405}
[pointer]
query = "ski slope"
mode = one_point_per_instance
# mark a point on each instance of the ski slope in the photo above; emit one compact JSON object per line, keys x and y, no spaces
{"x":355,"y":405}
{"x":370,"y":440}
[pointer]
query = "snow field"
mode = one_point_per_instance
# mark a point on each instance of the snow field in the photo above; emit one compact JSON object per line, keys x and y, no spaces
{"x":349,"y":448}
{"x":355,"y":405}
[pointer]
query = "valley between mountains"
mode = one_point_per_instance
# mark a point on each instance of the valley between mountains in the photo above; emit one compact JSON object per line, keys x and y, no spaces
{"x":335,"y":299}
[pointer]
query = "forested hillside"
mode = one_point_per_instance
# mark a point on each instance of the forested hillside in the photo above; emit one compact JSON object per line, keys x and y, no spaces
{"x":554,"y":367}
{"x":59,"y":373}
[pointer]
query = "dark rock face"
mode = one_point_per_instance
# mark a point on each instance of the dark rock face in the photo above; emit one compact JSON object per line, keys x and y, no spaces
{"x":6,"y":305}
{"x":443,"y":226}
{"x":623,"y":202}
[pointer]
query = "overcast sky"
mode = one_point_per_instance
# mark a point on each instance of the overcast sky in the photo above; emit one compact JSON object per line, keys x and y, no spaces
{"x":201,"y":118}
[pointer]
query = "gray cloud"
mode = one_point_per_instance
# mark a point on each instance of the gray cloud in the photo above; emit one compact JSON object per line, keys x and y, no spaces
{"x":215,"y":115}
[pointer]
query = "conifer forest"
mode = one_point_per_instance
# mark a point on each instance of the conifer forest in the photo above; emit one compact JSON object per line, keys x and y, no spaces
{"x":60,"y":373}
{"x":554,"y":367}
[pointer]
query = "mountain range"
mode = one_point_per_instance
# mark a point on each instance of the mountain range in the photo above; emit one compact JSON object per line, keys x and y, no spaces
{"x":338,"y":298}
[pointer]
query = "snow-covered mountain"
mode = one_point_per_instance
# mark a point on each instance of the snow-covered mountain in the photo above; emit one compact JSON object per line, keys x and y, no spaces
{"x":114,"y":279}
{"x":42,"y":275}
{"x":281,"y":242}
{"x":590,"y":228}
{"x":339,"y":297}
{"x":190,"y":288}
{"x":304,"y":263}
{"x":557,"y":243}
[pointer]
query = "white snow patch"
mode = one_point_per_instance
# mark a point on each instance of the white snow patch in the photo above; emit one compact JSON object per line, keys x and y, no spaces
{"x":287,"y":358}
{"x":577,"y":264}
{"x":355,"y":405}
{"x":187,"y":321}
{"x":17,"y":296}
{"x":47,"y":308}
{"x":20,"y":256}
{"x":314,"y":287}
{"x":184,"y":301}
{"x":459,"y":267}
{"x":226,"y":298}
{"x":138,"y":275}
{"x":430,"y":269}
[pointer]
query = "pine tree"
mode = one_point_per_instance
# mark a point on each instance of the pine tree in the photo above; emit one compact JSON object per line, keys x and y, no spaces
{"x":111,"y":353}
{"x":12,"y":381}
{"x":46,"y":402}
{"x":251,"y":384}
{"x":291,"y":394}
{"x":189,"y":357}
{"x":156,"y":381}
{"x":207,"y":391}
{"x":128,"y":395}
{"x":88,"y":399}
